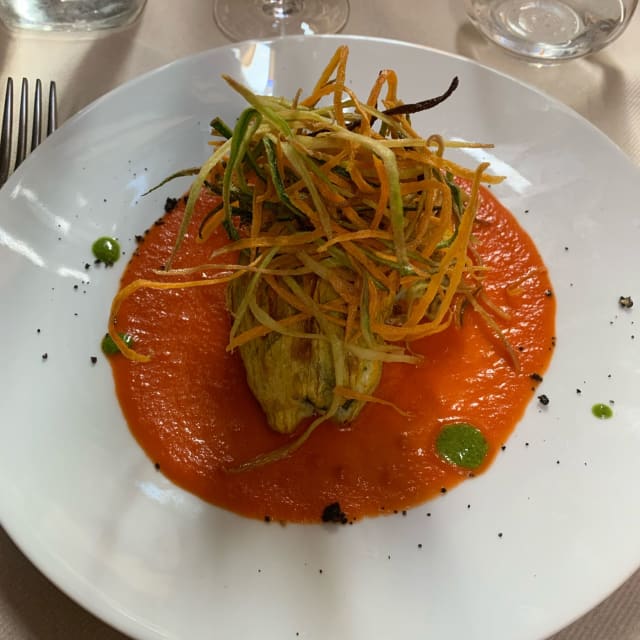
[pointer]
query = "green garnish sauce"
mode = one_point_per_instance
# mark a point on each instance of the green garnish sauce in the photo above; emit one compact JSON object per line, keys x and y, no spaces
{"x":602,"y":411}
{"x":463,"y":445}
{"x":110,"y":348}
{"x":106,"y":250}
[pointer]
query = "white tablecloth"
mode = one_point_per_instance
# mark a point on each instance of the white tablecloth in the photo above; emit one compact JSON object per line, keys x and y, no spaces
{"x":604,"y":88}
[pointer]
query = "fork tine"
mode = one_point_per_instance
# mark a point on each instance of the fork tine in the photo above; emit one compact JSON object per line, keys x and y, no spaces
{"x":23,"y":118}
{"x":5,"y":137}
{"x":52,"y":115}
{"x":36,"y":129}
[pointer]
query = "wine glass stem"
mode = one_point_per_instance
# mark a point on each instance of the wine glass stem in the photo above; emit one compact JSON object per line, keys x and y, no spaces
{"x":281,"y":9}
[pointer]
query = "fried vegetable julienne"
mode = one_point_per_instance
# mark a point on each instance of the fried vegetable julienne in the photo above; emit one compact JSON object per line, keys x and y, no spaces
{"x":354,"y":239}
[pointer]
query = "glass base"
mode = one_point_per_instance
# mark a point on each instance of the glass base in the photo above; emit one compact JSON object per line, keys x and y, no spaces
{"x":249,"y":19}
{"x":69,"y":15}
{"x":550,"y":30}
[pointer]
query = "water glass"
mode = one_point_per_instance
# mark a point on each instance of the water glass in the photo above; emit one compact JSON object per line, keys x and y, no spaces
{"x":69,"y":15}
{"x":551,"y":30}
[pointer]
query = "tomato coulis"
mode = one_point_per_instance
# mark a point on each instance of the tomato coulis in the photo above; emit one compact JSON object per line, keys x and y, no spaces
{"x":192,"y":412}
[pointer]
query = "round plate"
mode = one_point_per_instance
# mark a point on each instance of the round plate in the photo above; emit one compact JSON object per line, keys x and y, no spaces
{"x":517,"y":553}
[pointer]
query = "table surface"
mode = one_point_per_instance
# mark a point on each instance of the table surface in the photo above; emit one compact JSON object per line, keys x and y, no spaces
{"x":604,"y":88}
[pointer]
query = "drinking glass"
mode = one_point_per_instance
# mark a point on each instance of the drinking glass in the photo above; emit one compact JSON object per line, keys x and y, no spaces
{"x":69,"y":15}
{"x":247,"y":19}
{"x":551,"y":30}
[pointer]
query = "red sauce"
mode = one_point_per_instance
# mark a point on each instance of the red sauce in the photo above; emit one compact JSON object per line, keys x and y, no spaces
{"x":192,"y":412}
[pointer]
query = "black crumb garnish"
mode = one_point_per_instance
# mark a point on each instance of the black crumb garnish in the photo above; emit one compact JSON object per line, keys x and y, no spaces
{"x":333,"y":513}
{"x":626,"y":302}
{"x":170,"y":204}
{"x":443,"y":490}
{"x":157,"y":466}
{"x":503,"y":447}
{"x":536,"y":376}
{"x":548,"y":293}
{"x":159,"y":222}
{"x":544,"y":399}
{"x":93,"y":359}
{"x":139,"y":238}
{"x":267,"y":518}
{"x":45,"y":356}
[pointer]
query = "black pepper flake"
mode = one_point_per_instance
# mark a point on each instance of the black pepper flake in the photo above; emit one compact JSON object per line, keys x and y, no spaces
{"x":443,"y":490}
{"x":159,"y":222}
{"x":500,"y":534}
{"x":544,"y":399}
{"x":139,"y":239}
{"x":578,"y":391}
{"x":548,"y":293}
{"x":170,"y":204}
{"x":419,"y":545}
{"x":333,"y":513}
{"x":37,"y":330}
{"x":267,"y":519}
{"x":536,"y":376}
{"x":157,"y":466}
{"x":87,"y":265}
{"x":625,"y":302}
{"x":45,"y":356}
{"x":75,"y":286}
{"x":429,"y":515}
{"x":94,"y":359}
{"x":503,"y":447}
{"x":404,"y":512}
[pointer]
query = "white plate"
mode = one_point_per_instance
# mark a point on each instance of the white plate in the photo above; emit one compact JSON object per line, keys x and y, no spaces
{"x":84,"y":503}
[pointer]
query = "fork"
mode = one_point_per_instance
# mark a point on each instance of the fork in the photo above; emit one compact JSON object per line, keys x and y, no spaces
{"x":23,"y":119}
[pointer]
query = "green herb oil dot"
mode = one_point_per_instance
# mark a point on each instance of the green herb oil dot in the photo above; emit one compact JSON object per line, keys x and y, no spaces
{"x":602,"y":411}
{"x":462,"y":444}
{"x":110,"y":348}
{"x":106,"y":250}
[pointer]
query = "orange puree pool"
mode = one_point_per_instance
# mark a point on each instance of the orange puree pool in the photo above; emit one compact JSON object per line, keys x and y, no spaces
{"x":192,"y":412}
